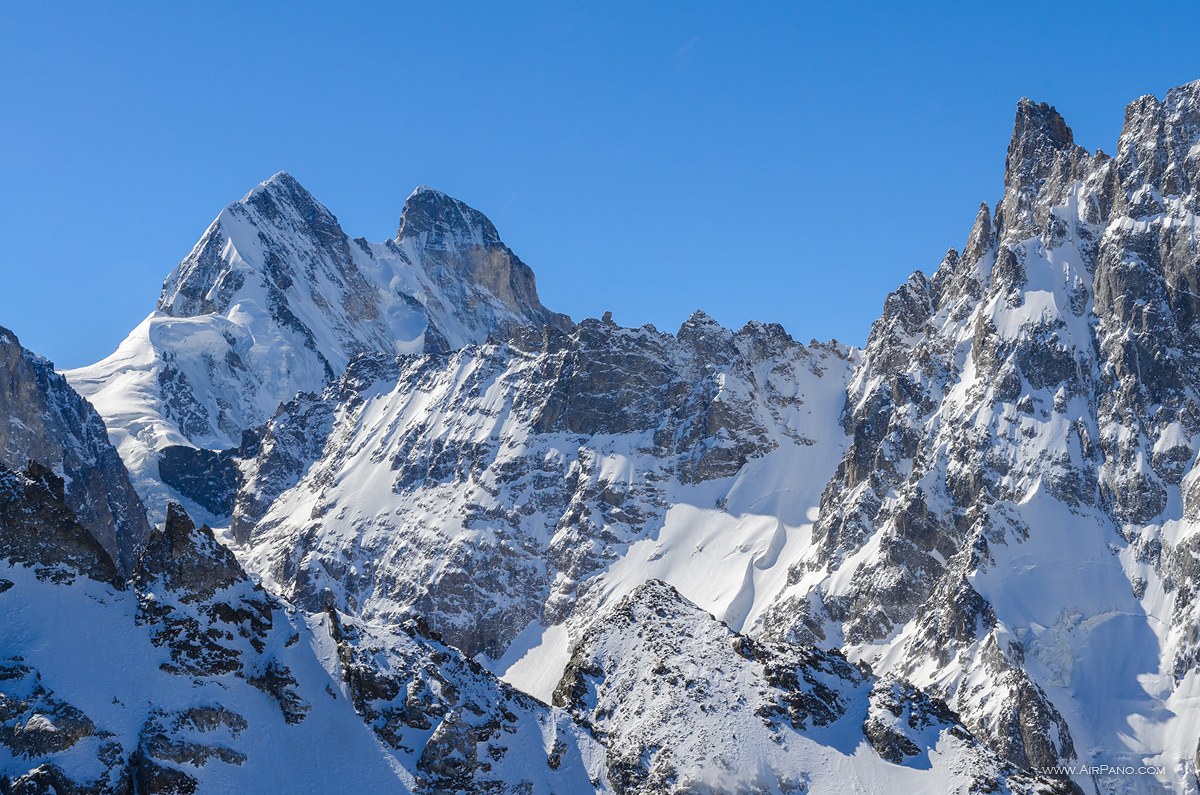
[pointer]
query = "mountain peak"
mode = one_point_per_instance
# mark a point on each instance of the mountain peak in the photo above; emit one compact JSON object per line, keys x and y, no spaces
{"x":423,"y":189}
{"x":280,"y":180}
{"x":1043,"y":161}
{"x":1179,"y":102}
{"x":439,"y":221}
{"x":1042,"y":119}
{"x":278,"y":208}
{"x":1188,"y":93}
{"x":280,"y":186}
{"x":981,"y":234}
{"x":281,"y":195}
{"x":1157,"y":140}
{"x":701,"y":318}
{"x":1039,"y":134}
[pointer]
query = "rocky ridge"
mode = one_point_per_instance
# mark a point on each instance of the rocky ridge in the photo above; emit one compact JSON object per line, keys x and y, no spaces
{"x":1023,"y":435}
{"x":487,"y":489}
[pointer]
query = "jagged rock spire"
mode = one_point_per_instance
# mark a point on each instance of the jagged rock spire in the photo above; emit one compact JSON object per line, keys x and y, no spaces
{"x":188,"y":558}
{"x":1043,"y":161}
{"x":1039,"y":132}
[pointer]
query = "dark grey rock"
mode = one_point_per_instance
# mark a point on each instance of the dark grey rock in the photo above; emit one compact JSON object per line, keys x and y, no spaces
{"x":42,"y":419}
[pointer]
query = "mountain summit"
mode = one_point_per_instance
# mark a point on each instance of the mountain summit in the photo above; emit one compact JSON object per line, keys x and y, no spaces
{"x":437,"y":221}
{"x":275,"y":300}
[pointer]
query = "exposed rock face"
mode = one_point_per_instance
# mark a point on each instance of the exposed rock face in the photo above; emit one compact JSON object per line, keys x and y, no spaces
{"x":289,"y":443}
{"x":457,"y":728}
{"x":341,"y":297}
{"x":274,"y":300}
{"x":38,"y":529}
{"x":36,"y":724}
{"x":186,"y":560}
{"x":42,"y":419}
{"x":481,"y":283}
{"x":207,"y":477}
{"x":1043,"y":165}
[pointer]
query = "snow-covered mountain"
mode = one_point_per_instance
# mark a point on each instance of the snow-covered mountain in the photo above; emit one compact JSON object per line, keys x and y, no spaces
{"x":187,"y":676}
{"x":275,"y":299}
{"x":184,"y":675}
{"x":960,"y":559}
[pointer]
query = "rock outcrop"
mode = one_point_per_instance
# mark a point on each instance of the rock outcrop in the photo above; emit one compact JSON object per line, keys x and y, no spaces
{"x":43,"y":420}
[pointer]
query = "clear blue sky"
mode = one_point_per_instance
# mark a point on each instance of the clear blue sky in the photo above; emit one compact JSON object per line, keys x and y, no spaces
{"x":789,"y":162}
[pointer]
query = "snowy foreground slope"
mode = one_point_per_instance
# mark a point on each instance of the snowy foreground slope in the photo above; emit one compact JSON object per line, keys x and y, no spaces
{"x":112,"y":688}
{"x":977,"y":534}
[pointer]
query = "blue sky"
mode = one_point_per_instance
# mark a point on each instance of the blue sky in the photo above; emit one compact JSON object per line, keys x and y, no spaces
{"x":786,"y":162}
